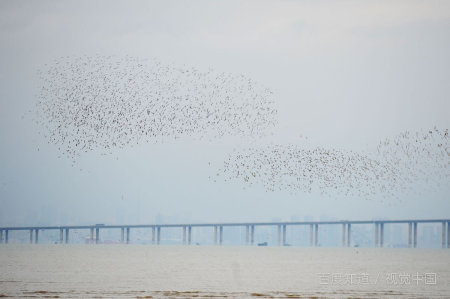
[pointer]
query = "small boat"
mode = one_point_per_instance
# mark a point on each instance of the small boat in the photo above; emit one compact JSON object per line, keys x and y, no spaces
{"x":262,"y":244}
{"x":197,"y":244}
{"x":287,"y":244}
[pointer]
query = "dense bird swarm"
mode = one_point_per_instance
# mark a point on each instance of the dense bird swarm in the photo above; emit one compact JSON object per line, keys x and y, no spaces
{"x":105,"y":102}
{"x":407,"y":163}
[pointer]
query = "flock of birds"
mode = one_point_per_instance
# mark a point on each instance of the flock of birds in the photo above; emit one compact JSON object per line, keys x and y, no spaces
{"x":100,"y":102}
{"x":409,"y":163}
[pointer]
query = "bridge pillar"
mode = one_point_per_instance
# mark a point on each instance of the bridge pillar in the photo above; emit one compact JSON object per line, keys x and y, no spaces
{"x":6,"y":236}
{"x":284,"y":234}
{"x":1,"y":236}
{"x":67,"y":236}
{"x":184,"y":235}
{"x":279,"y":235}
{"x":91,"y":239}
{"x":410,"y":234}
{"x":382,"y":235}
{"x":415,"y":234}
{"x":253,"y":235}
{"x":122,"y":235}
{"x":221,"y":235}
{"x":61,"y":236}
{"x":153,"y":235}
{"x":31,"y":236}
{"x":215,"y":235}
{"x":310,"y":235}
{"x":128,"y":235}
{"x":349,"y":233}
{"x":448,"y":234}
{"x":36,"y":237}
{"x":343,"y":234}
{"x":246,"y":234}
{"x":376,"y":234}
{"x":189,"y":235}
{"x":158,"y":230}
{"x":97,"y":235}
{"x":443,"y":234}
{"x":317,"y":235}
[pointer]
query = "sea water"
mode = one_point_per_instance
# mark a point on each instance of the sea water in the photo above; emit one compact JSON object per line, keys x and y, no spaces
{"x":158,"y":271}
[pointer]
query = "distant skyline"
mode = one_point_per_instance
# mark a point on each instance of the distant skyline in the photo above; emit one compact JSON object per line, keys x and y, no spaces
{"x":345,"y":74}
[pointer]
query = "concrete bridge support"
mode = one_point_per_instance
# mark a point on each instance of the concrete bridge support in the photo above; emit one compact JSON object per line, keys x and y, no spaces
{"x":221,"y":235}
{"x":443,"y":234}
{"x":349,"y":235}
{"x":61,"y":236}
{"x":343,"y":235}
{"x":410,"y":234}
{"x":158,"y":230}
{"x":36,"y":236}
{"x":448,"y":234}
{"x":184,"y":235}
{"x":67,"y":236}
{"x":6,"y":236}
{"x":91,"y":239}
{"x":415,"y":234}
{"x":284,"y":234}
{"x":97,"y":235}
{"x":1,"y":236}
{"x":215,"y":235}
{"x":382,"y":234}
{"x":279,"y":236}
{"x":31,"y":236}
{"x":311,"y":235}
{"x":376,"y":234}
{"x":128,"y":235}
{"x":122,"y":235}
{"x":153,"y":235}
{"x":253,"y":235}
{"x":317,"y":235}
{"x":189,"y":235}
{"x":247,"y":228}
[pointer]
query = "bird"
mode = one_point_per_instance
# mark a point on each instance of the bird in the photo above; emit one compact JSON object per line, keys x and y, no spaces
{"x":100,"y":103}
{"x":392,"y":169}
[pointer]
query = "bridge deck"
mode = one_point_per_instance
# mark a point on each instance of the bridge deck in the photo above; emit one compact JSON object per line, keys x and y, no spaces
{"x":226,"y":224}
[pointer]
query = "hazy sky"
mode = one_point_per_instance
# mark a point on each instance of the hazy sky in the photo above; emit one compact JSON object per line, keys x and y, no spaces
{"x":347,"y":74}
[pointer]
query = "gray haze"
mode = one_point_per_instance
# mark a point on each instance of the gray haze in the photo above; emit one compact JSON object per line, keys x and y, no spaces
{"x":346,"y":74}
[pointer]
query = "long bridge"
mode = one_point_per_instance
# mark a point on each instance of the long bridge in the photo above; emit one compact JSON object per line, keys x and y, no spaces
{"x":250,"y":230}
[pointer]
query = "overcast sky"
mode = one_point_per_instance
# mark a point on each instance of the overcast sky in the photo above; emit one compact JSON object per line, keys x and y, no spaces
{"x":347,"y":74}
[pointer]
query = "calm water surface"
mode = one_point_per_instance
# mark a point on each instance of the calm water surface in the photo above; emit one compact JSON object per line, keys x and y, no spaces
{"x":146,"y":271}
